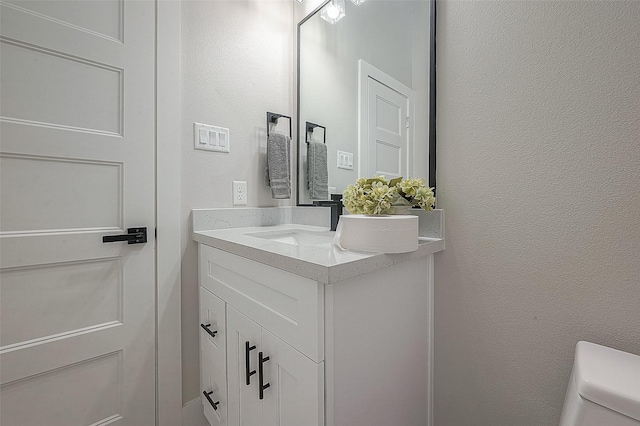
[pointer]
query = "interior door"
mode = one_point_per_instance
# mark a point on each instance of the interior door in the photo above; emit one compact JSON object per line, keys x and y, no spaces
{"x":77,"y":316}
{"x":386,"y":114}
{"x":243,"y":345}
{"x":388,"y":143}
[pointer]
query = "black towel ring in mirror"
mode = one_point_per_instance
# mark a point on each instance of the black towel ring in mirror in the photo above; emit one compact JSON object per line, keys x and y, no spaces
{"x":272,"y":118}
{"x":310,"y":126}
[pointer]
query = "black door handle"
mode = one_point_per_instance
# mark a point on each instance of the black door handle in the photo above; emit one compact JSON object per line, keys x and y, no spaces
{"x":133,"y":236}
{"x":249,"y":372}
{"x":213,"y":404}
{"x":262,"y":385}
{"x":206,"y":328}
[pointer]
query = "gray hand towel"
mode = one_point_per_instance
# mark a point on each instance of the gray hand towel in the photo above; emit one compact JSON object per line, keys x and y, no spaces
{"x":278,"y":171}
{"x":317,"y":174}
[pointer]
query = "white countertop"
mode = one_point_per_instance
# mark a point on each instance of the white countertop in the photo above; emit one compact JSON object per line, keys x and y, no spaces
{"x":324,"y":263}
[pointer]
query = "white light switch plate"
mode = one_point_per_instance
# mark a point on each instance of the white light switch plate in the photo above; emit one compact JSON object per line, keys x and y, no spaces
{"x":210,"y":138}
{"x":345,"y":160}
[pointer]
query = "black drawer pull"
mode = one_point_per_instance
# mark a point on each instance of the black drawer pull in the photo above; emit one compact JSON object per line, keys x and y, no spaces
{"x":206,"y":328}
{"x":247,"y":349}
{"x":213,"y":404}
{"x":262,"y":385}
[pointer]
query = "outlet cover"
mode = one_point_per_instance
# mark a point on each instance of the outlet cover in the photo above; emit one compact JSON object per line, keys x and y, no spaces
{"x":239,"y":193}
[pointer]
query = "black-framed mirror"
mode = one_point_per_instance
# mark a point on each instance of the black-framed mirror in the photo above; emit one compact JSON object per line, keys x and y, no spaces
{"x":367,"y":84}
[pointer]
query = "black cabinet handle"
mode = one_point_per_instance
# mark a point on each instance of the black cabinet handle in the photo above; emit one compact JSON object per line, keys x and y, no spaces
{"x":206,"y":328}
{"x":263,"y":386}
{"x":247,"y":349}
{"x":213,"y":404}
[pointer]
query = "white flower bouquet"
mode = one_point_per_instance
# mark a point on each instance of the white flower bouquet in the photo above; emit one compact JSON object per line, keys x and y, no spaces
{"x":377,"y":195}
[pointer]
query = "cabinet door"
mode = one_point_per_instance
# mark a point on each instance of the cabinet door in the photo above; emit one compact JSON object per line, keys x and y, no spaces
{"x":213,"y":383}
{"x":213,"y":328}
{"x":214,"y":393}
{"x":295,"y":396}
{"x":243,"y":343}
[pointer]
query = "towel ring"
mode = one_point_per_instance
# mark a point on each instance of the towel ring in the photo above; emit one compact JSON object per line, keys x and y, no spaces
{"x":272,"y":118}
{"x":310,"y":126}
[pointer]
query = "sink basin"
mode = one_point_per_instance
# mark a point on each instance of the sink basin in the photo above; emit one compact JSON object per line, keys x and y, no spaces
{"x":296,"y":237}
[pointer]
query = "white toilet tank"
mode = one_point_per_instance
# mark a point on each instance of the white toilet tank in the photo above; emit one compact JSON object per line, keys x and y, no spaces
{"x":604,"y":389}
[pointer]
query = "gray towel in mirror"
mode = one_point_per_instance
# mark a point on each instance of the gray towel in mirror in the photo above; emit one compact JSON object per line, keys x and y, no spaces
{"x":317,"y":173}
{"x":278,"y":173}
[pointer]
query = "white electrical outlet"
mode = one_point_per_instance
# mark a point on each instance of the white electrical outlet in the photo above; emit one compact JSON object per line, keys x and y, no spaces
{"x":239,"y":193}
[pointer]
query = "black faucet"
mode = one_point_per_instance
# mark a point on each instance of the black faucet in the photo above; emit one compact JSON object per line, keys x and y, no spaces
{"x":336,"y":208}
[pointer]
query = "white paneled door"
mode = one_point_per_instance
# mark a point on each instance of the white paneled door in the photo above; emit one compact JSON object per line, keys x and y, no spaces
{"x":386,"y":114}
{"x":77,"y":316}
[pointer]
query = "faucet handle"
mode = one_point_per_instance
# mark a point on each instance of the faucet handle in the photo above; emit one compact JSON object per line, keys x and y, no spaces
{"x":336,"y":210}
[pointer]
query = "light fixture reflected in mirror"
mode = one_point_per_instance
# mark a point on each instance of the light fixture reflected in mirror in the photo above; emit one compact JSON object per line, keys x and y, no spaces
{"x":356,"y":2}
{"x":333,"y":11}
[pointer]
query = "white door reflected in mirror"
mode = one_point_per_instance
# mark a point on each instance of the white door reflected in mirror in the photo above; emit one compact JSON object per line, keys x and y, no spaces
{"x":385,"y":111}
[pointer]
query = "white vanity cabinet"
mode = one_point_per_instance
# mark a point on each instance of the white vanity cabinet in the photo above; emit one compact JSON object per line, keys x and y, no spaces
{"x":352,"y":350}
{"x":263,"y":363}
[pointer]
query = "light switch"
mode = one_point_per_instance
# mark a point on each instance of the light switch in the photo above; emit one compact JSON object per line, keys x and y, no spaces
{"x":345,"y":160}
{"x":204,"y":136}
{"x":224,"y":145}
{"x":211,"y":138}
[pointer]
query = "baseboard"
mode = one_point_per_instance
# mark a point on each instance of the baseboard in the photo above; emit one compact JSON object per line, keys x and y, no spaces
{"x":192,"y":414}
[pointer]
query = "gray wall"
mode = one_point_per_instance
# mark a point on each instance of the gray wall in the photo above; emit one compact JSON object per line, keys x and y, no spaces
{"x":237,"y":64}
{"x":539,"y":175}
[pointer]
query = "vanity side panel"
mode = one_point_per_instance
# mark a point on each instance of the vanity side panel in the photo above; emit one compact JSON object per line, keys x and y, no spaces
{"x":377,"y":346}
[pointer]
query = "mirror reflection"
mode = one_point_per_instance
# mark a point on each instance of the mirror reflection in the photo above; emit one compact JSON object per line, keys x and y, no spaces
{"x":363,"y":96}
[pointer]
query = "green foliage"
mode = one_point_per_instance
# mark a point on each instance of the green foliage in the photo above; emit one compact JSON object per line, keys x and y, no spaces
{"x":376,"y":195}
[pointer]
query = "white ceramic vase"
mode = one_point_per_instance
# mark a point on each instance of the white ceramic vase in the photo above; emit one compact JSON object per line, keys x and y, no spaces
{"x":378,"y":233}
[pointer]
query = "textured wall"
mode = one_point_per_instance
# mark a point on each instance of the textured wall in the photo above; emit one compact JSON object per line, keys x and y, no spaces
{"x":237,"y":64}
{"x":539,"y":175}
